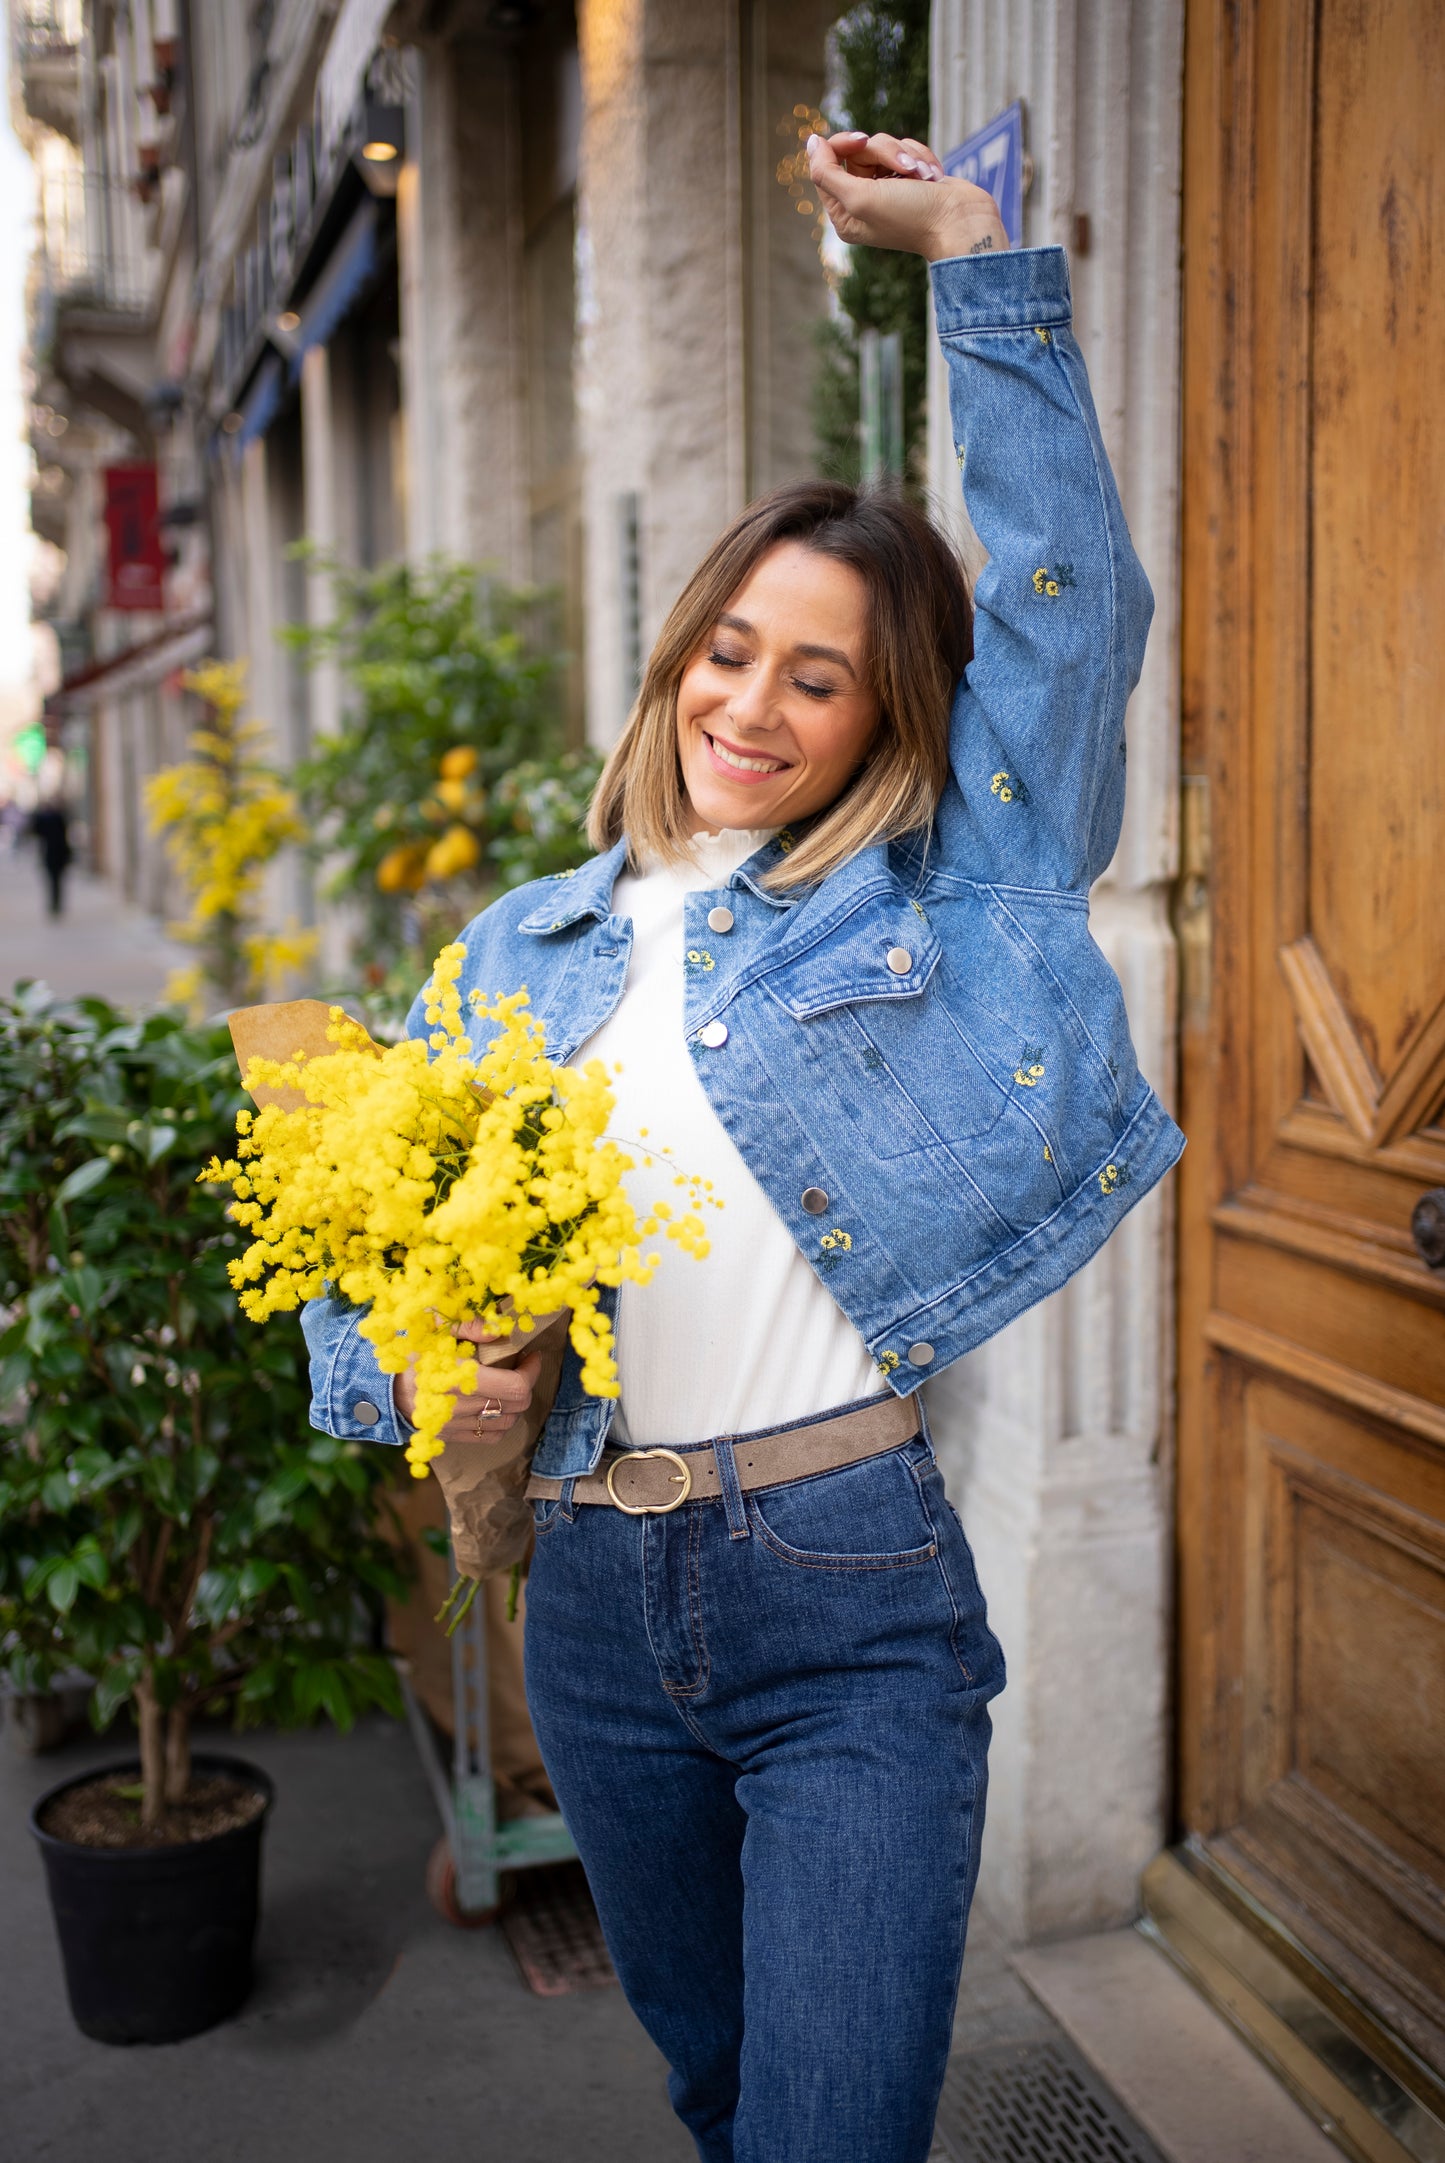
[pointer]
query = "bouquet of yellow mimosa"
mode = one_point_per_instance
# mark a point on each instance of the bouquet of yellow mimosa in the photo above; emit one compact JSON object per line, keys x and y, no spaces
{"x":432,"y":1184}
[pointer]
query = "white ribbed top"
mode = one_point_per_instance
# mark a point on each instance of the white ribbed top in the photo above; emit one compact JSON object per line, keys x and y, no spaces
{"x":749,"y":1337}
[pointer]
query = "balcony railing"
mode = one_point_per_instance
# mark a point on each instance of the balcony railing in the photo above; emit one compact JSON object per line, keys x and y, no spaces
{"x":89,"y":243}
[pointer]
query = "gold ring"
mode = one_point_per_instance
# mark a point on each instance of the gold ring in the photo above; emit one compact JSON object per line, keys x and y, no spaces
{"x":683,"y":1475}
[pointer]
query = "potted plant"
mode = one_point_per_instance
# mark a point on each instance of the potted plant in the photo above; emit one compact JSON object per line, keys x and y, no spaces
{"x":169,"y":1524}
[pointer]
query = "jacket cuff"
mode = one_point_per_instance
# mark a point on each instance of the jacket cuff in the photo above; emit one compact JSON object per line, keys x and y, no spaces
{"x":358,"y":1405}
{"x":1026,"y":289}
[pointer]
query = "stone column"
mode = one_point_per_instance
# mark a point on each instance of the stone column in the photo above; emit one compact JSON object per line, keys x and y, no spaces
{"x":696,"y":296}
{"x":1056,"y":1436}
{"x":459,"y":264}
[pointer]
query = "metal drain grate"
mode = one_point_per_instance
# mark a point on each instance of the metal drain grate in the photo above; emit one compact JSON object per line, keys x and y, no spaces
{"x":1032,"y":2103}
{"x":552,"y":1928}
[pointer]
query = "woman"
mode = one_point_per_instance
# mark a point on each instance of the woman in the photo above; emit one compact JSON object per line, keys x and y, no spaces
{"x":836,"y":938}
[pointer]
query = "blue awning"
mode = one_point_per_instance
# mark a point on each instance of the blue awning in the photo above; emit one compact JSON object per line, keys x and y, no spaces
{"x":262,"y":401}
{"x":352,"y":264}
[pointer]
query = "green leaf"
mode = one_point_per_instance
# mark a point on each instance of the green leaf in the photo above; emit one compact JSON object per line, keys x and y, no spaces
{"x":337,"y":1698}
{"x":56,"y":1492}
{"x":309,"y":1686}
{"x":89,"y":1564}
{"x":62,"y":1585}
{"x":83,"y":1179}
{"x":86,"y":1287}
{"x":115,"y":1687}
{"x":158,"y":1141}
{"x":263,"y":1682}
{"x":37,"y":1576}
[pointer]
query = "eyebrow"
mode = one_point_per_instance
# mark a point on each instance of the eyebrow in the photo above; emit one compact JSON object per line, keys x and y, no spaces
{"x":813,"y":653}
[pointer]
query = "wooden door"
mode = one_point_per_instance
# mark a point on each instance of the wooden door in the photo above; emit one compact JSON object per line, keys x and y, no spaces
{"x":1311,"y":1490}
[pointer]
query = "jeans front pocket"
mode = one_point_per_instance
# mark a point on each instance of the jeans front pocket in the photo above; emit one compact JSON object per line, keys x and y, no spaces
{"x":546,"y":1514}
{"x":868,"y":1516}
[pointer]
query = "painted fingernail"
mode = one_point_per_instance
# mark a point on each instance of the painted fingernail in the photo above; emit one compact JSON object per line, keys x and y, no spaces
{"x":813,"y":142}
{"x":908,"y":165}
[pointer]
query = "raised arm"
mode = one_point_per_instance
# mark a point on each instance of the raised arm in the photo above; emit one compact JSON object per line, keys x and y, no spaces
{"x":1062,"y":607}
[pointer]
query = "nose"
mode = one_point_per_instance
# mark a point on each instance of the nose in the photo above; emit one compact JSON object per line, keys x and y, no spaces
{"x":754,"y":705}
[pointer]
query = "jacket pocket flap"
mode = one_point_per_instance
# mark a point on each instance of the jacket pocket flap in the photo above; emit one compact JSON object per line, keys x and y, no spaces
{"x":885,"y":950}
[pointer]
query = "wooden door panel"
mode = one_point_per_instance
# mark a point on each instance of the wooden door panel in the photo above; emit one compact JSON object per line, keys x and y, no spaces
{"x":1345,"y":1657}
{"x":1312,"y":1335}
{"x":1377,"y":531}
{"x":1344,"y":1313}
{"x":1337,"y":1824}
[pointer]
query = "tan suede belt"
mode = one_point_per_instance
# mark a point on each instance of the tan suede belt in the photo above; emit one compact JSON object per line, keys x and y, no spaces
{"x":648,"y":1483}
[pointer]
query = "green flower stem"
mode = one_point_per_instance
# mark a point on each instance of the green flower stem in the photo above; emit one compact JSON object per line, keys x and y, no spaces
{"x":466,"y":1589}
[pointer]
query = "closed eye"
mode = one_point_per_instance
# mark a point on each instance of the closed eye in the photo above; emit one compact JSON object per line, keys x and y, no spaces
{"x":814,"y":690}
{"x":728,"y":660}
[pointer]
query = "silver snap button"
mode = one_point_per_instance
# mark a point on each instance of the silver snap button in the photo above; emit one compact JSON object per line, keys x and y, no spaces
{"x":920,"y":1354}
{"x":714,"y":1034}
{"x":366,"y":1412}
{"x":719,"y":919}
{"x":900,"y":961}
{"x":815,"y":1201}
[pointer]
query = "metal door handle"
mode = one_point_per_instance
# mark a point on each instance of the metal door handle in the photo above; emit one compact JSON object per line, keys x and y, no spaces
{"x":1427,"y":1227}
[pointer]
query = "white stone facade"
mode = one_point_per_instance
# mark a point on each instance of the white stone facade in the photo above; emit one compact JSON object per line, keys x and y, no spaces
{"x":1056,"y":1436}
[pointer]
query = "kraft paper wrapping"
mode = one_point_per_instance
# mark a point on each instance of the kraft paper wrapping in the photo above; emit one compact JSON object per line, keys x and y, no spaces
{"x":284,"y":1029}
{"x":484,"y":1482}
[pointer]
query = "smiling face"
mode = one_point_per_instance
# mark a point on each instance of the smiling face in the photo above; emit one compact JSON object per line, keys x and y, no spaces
{"x":775,"y":713}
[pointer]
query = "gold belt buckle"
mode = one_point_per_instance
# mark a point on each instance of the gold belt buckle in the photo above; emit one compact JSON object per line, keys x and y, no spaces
{"x":652,"y":1509}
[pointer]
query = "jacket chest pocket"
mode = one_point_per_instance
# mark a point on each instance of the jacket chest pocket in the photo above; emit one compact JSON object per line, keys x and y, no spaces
{"x":929,"y":1084}
{"x":894,"y":1068}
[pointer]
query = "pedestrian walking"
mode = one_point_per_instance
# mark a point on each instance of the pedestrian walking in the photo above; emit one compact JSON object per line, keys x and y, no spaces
{"x":50,"y":826}
{"x":835,"y":942}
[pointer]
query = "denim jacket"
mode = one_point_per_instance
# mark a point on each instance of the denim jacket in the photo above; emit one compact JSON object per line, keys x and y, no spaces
{"x":925,"y":1048}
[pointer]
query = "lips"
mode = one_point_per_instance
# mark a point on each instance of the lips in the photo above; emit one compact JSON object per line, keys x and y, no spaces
{"x":738,"y":766}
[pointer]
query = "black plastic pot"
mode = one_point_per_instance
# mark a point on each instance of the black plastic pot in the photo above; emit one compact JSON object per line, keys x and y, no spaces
{"x":156,"y":1942}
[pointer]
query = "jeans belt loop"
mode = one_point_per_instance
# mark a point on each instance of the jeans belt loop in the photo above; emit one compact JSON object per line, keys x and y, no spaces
{"x":566,"y":1503}
{"x":732,"y":1493}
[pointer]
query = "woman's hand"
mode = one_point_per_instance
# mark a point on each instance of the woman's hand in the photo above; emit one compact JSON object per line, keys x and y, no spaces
{"x":883,"y":192}
{"x":486,"y":1413}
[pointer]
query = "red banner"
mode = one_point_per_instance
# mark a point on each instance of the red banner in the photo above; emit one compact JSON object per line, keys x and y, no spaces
{"x":135,"y":558}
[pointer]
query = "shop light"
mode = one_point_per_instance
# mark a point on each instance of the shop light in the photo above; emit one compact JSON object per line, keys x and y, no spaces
{"x":383,"y":132}
{"x":382,"y":140}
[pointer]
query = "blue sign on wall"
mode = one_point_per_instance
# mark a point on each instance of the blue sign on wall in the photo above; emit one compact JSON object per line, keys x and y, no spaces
{"x":993,"y":158}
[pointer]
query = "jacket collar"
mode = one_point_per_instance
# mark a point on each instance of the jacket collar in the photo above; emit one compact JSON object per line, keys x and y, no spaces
{"x":571,"y":895}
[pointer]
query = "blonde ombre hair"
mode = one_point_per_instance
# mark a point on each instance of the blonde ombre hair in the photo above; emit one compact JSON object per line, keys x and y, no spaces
{"x":919,"y":641}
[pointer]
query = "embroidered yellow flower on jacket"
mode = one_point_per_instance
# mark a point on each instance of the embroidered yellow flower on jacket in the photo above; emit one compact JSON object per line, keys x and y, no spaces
{"x":1052,"y":583}
{"x":1008,"y":788}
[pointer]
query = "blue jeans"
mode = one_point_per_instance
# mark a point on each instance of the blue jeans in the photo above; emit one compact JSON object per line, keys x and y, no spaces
{"x":765,"y":1718}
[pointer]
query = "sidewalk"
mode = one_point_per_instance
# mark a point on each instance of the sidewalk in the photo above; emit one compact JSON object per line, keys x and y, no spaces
{"x":376,"y":2033}
{"x":380,"y":2034}
{"x":100,"y":944}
